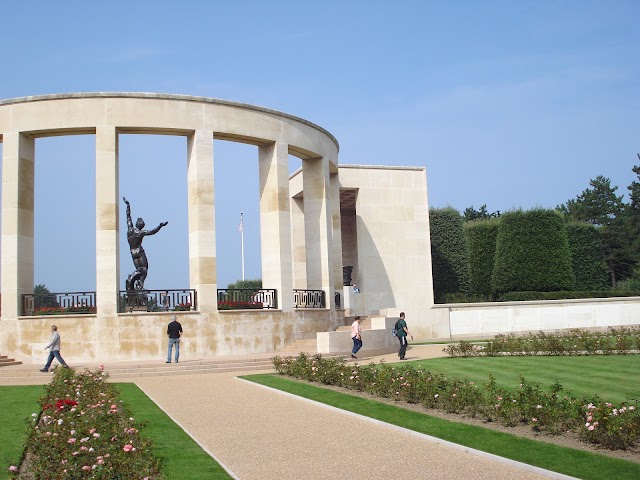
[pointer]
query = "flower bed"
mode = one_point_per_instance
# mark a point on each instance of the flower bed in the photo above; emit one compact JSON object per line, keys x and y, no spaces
{"x":614,"y":341}
{"x":229,"y":305}
{"x":595,"y":421}
{"x":65,"y":310}
{"x":83,"y":431}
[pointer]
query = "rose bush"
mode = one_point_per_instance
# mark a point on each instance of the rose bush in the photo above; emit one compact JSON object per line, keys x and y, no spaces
{"x":549,"y":411}
{"x":84,"y":431}
{"x":613,"y":341}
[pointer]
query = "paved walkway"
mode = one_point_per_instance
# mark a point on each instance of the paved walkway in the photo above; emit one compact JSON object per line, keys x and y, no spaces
{"x":259,"y":433}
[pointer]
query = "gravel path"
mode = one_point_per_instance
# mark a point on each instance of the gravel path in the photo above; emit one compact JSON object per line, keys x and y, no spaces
{"x":258,"y":433}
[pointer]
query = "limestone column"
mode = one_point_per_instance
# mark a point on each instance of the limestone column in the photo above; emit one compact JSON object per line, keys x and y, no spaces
{"x":336,"y":250}
{"x":275,"y":222}
{"x":297,"y":240}
{"x":18,"y":156}
{"x":318,"y":229}
{"x":202,"y":225}
{"x":107,"y":225}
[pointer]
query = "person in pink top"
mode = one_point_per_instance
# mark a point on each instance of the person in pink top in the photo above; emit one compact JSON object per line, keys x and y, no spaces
{"x":356,"y":336}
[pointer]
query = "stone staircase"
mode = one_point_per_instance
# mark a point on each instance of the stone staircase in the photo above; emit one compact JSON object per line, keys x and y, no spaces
{"x":125,"y":372}
{"x":365,"y":324}
{"x":306,"y":345}
{"x":6,"y":362}
{"x":310,"y":345}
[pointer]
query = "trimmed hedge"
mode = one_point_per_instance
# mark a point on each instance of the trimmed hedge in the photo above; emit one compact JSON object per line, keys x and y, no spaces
{"x":449,"y":255}
{"x":589,"y":267}
{"x":481,"y":236}
{"x":532,"y":253}
{"x":562,"y":295}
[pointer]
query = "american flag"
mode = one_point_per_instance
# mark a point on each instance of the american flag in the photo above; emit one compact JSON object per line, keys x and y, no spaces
{"x":241,"y":226}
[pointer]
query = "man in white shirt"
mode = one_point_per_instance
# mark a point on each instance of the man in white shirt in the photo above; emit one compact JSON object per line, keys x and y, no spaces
{"x":54,"y":345}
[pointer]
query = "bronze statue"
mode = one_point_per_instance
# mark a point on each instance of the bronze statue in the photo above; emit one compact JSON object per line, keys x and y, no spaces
{"x":135,"y":281}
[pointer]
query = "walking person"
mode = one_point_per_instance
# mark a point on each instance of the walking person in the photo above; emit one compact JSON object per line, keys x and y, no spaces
{"x":174,"y":330}
{"x":54,"y":351}
{"x":403,"y":332}
{"x":356,"y":336}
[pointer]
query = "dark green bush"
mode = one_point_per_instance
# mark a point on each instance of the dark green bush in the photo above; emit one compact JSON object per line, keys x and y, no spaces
{"x":481,"y":236}
{"x":532,"y":253}
{"x":562,"y":295}
{"x":466,"y":298}
{"x":449,"y":253}
{"x":246,"y":284}
{"x":589,"y":267}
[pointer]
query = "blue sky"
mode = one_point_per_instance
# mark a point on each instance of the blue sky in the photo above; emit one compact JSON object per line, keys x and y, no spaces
{"x":508,"y":103}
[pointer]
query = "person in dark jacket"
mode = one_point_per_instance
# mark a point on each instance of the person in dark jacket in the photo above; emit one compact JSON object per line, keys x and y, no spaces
{"x":174,"y":330}
{"x":403,"y":333}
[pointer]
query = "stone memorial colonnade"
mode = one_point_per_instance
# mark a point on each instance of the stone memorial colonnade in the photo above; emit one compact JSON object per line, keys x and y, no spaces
{"x":201,"y":120}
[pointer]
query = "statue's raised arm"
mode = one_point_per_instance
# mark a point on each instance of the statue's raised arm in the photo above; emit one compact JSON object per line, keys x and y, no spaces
{"x":129,"y":222}
{"x":157,"y":229}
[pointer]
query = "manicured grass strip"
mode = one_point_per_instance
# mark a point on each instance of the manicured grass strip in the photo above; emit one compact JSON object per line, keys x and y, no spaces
{"x":606,"y":376}
{"x":564,"y":460}
{"x":17,"y":403}
{"x":181,"y":456}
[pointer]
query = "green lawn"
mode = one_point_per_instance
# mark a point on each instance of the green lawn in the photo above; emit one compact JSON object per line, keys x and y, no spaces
{"x":16,"y":406}
{"x":612,"y":377}
{"x":182,"y":457}
{"x":576,"y":463}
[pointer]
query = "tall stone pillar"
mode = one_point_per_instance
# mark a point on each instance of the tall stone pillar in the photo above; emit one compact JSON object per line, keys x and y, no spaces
{"x":318,"y":229}
{"x":18,"y":156}
{"x":336,"y":250}
{"x":107,"y":225}
{"x":297,"y":240}
{"x":275,"y":223}
{"x":202,"y":225}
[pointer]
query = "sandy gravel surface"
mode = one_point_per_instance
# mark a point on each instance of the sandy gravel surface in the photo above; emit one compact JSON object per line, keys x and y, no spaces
{"x":261,"y":434}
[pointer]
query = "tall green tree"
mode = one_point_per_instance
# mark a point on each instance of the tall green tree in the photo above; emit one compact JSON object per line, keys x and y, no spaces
{"x":600,"y":206}
{"x":482,"y":213}
{"x":44,"y":297}
{"x":633,"y":209}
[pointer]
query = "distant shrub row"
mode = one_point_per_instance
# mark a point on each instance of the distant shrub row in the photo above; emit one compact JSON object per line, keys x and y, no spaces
{"x":521,"y":251}
{"x":613,"y":341}
{"x":532,"y":296}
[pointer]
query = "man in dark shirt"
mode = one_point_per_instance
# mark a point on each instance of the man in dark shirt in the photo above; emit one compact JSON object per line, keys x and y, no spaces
{"x":174,"y":330}
{"x":403,"y":332}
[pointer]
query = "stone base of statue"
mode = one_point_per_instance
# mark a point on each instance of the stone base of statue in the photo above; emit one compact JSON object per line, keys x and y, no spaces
{"x":136,"y":301}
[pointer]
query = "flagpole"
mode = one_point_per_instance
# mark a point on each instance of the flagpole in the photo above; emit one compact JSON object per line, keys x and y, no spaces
{"x":241,"y":228}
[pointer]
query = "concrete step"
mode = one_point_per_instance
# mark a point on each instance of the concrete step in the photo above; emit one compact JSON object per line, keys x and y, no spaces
{"x":307,"y":345}
{"x":365,"y":324}
{"x":6,"y":361}
{"x":30,"y":374}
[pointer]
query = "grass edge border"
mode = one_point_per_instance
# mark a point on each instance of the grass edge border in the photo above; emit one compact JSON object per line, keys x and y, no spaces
{"x":197,"y":442}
